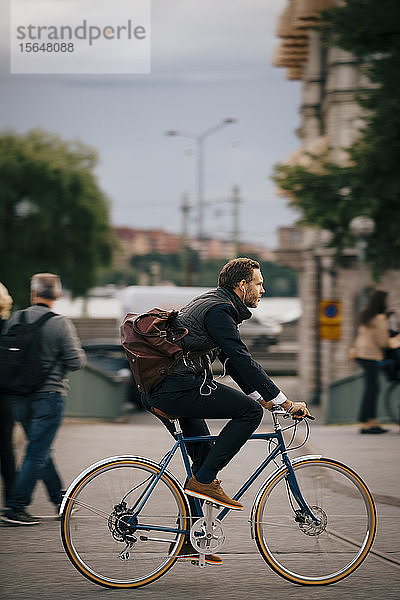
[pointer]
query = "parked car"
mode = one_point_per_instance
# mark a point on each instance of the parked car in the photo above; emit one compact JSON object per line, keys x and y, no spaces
{"x":259,"y":335}
{"x":110,"y":358}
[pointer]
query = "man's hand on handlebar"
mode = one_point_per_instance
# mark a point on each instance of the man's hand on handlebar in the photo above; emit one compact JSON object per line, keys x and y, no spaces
{"x":298,"y":410}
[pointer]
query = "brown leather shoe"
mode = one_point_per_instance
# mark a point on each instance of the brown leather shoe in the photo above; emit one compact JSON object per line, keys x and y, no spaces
{"x":188,"y":553}
{"x":212,"y":492}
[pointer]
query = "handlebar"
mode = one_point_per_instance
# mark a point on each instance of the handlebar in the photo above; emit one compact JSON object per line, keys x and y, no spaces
{"x":300,"y":414}
{"x":278,"y":410}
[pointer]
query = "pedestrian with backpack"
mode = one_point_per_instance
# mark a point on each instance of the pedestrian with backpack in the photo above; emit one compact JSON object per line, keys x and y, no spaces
{"x":7,"y":458}
{"x":37,"y":348}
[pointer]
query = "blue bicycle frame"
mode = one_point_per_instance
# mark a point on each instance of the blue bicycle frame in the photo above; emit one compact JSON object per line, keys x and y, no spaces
{"x":180,"y":443}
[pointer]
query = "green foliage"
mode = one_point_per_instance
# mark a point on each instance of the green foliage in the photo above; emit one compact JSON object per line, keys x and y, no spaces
{"x":53,"y":216}
{"x":369,"y":29}
{"x":120,"y":276}
{"x":279,"y":281}
{"x":364,"y":27}
{"x":158,"y":267}
{"x":322,"y":198}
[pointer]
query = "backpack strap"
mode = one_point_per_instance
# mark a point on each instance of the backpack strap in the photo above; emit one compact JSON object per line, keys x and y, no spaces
{"x":39,"y":322}
{"x":42,"y":320}
{"x":37,"y":325}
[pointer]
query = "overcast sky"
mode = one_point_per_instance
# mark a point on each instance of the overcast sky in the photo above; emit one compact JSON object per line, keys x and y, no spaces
{"x":211,"y":59}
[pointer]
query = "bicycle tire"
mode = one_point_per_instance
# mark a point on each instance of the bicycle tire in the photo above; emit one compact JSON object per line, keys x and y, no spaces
{"x":320,"y":555}
{"x":392,"y":401}
{"x":94,"y":522}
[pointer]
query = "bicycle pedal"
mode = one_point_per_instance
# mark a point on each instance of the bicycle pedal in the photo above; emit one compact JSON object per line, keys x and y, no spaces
{"x":214,"y":504}
{"x":195,"y":562}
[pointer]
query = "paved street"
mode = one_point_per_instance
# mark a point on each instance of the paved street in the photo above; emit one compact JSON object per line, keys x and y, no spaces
{"x":34,"y":566}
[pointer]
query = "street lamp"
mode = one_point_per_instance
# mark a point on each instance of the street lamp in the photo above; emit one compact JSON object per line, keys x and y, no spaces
{"x":362,"y":228}
{"x":199,"y":139}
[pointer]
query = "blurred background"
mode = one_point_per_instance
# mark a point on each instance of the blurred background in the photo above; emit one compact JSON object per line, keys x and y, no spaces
{"x":265,"y":129}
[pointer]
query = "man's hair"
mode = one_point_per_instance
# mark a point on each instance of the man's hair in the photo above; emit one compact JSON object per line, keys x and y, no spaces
{"x":235,"y":271}
{"x":46,"y":285}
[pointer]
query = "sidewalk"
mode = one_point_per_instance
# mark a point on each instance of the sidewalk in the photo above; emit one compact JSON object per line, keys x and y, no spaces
{"x":80,"y":443}
{"x":375,"y":458}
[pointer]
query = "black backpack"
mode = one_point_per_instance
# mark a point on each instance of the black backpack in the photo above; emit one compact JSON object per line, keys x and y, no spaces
{"x":21,"y":370}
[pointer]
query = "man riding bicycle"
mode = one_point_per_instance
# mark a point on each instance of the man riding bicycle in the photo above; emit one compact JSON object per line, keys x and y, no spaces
{"x":190,"y":392}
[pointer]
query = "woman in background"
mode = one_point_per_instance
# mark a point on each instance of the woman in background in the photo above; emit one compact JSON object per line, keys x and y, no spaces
{"x":372,"y":339}
{"x":7,"y":459}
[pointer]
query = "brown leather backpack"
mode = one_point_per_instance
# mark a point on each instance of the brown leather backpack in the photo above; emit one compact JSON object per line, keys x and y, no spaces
{"x":151,"y":344}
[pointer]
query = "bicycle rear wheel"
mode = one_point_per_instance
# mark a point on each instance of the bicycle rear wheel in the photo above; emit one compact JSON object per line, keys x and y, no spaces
{"x":95,"y":531}
{"x":304,"y":552}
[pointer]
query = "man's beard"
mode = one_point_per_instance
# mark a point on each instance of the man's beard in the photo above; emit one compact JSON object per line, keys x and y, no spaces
{"x":251,"y":301}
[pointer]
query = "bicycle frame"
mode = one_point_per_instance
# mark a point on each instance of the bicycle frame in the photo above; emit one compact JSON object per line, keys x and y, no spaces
{"x":280,"y":448}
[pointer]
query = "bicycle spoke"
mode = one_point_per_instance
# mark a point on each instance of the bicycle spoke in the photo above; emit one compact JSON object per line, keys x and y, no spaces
{"x":338,"y":542}
{"x":107,"y":541}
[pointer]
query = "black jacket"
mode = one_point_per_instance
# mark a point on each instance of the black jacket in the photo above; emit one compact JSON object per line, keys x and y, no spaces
{"x":213,"y":320}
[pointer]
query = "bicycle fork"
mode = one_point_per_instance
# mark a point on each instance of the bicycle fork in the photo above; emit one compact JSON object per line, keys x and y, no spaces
{"x":293,"y":487}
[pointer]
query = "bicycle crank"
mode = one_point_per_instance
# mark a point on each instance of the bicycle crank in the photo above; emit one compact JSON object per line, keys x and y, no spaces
{"x":207,"y":534}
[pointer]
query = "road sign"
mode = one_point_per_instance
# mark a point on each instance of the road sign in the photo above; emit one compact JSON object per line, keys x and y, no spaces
{"x":330,"y":319}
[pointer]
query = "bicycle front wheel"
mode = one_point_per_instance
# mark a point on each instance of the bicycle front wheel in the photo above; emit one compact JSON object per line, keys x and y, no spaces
{"x":99,"y":535}
{"x":306,"y":552}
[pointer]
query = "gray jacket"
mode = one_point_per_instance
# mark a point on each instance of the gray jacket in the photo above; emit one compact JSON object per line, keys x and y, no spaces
{"x":61,"y":349}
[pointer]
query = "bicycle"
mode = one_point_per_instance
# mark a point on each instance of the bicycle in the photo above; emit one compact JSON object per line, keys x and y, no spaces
{"x":313,"y":519}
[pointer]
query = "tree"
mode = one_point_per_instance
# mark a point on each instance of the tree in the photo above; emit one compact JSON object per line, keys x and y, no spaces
{"x":280,"y":281}
{"x":53,"y":215}
{"x":370,"y":30}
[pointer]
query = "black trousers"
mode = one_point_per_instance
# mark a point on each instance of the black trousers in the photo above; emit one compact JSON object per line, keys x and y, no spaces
{"x":192,"y":408}
{"x":7,"y":460}
{"x":369,"y":400}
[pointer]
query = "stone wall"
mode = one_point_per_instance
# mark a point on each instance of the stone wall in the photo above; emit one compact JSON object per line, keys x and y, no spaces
{"x":323,"y":361}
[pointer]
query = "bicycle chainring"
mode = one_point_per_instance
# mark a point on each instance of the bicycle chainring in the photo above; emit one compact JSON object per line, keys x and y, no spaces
{"x":207,"y":543}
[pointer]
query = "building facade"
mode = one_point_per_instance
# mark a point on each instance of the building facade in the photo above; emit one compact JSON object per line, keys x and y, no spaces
{"x":329,"y":122}
{"x":140,"y":242}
